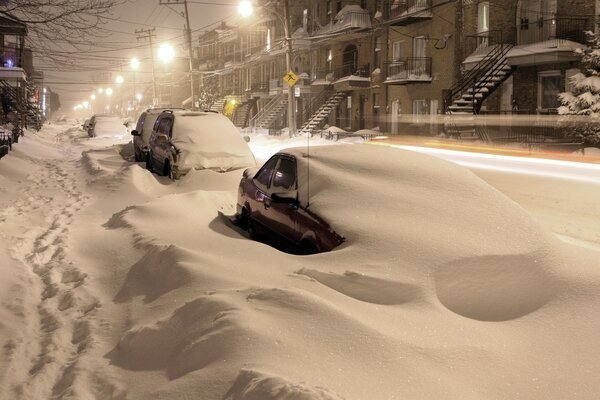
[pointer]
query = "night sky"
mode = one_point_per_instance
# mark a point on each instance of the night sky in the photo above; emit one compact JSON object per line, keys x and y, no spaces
{"x":98,"y":65}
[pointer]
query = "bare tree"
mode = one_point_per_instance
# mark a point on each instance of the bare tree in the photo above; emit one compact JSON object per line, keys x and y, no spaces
{"x":66,"y":25}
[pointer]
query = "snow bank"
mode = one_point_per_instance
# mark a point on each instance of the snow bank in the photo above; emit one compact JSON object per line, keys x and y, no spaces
{"x":443,"y":285}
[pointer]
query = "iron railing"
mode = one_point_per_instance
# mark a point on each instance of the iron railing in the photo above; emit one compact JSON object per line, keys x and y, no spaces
{"x":543,"y":28}
{"x":406,"y":8}
{"x":333,"y":74}
{"x":412,"y":68}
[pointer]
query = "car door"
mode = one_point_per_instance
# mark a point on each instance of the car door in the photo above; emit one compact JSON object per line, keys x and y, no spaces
{"x":162,"y":150}
{"x":281,"y":214}
{"x":258,"y":200}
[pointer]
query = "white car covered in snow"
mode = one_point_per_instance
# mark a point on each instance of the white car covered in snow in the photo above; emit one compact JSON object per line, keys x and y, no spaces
{"x":106,"y":126}
{"x":184,"y":140}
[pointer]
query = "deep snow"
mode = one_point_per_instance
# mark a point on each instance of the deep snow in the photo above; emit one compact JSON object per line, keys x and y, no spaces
{"x":118,"y":284}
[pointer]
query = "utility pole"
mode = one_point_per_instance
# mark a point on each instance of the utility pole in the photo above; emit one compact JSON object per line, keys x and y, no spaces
{"x":288,"y":63}
{"x":149,"y":34}
{"x":189,"y":43}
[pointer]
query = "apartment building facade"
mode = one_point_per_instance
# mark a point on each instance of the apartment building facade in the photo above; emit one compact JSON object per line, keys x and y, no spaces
{"x":366,"y":63}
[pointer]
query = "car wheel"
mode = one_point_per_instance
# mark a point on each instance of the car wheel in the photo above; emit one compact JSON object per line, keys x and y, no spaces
{"x":149,"y":165}
{"x":168,"y":171}
{"x":251,"y":229}
{"x":307,"y":247}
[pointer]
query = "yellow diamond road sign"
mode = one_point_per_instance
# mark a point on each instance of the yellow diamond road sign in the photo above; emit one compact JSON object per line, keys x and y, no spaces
{"x":290,"y":78}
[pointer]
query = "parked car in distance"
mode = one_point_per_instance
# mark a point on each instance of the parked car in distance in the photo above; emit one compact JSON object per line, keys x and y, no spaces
{"x":106,"y":126}
{"x":143,"y":130}
{"x":269,"y":202}
{"x":184,"y":140}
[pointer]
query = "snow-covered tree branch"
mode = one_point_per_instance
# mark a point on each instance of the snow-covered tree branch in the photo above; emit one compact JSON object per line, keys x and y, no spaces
{"x":584,"y":99}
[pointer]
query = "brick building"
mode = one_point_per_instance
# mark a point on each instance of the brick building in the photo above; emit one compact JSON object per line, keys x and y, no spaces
{"x":368,"y":63}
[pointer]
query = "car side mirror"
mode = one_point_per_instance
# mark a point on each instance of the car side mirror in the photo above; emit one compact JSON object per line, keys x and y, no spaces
{"x":290,"y":198}
{"x":135,"y":133}
{"x":162,"y":139}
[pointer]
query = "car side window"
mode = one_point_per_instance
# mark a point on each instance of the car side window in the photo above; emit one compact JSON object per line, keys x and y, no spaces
{"x":140,"y":124}
{"x":264,"y":175}
{"x":285,"y":175}
{"x":165,"y":127}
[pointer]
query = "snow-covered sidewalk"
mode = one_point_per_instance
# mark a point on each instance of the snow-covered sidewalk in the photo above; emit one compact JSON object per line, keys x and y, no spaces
{"x":118,"y":284}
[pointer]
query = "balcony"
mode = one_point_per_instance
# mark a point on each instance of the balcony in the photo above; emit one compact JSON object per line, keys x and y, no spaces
{"x":404,"y":12}
{"x":549,"y":40}
{"x":276,"y":86}
{"x":260,"y":89}
{"x":556,"y":28}
{"x":350,"y":20}
{"x":344,"y":77}
{"x":409,"y":70}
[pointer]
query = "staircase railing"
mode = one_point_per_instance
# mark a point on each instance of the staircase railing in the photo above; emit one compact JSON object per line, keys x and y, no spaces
{"x":266,"y":109}
{"x":316,"y":102}
{"x":487,"y":66}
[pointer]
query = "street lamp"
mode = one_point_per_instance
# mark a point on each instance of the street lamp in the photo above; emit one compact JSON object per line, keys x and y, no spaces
{"x":166,"y":52}
{"x":245,"y":9}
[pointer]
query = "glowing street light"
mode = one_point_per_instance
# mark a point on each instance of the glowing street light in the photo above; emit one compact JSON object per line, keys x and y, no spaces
{"x":93,"y":97}
{"x":245,"y":8}
{"x":109,"y":92}
{"x":120,"y":79}
{"x":166,"y":52}
{"x":139,"y":97}
{"x":134,"y":63}
{"x":100,"y":90}
{"x":86,"y":104}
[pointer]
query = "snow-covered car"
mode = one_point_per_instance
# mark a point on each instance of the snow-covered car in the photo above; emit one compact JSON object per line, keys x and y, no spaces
{"x":143,"y":130}
{"x":184,"y":140}
{"x":106,"y":126}
{"x":274,"y":200}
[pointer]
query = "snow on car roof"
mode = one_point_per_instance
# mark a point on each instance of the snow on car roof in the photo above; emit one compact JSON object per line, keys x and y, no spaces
{"x":401,"y":198}
{"x":209,"y":140}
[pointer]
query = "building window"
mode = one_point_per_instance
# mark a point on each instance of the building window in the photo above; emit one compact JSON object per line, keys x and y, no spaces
{"x":397,"y":50}
{"x":483,"y":23}
{"x":419,"y":107}
{"x":548,"y":90}
{"x":329,"y":7}
{"x":376,"y":100}
{"x":377,"y":58}
{"x":338,"y":7}
{"x":268,"y":48}
{"x":363,"y":4}
{"x":305,"y":20}
{"x":329,"y":60}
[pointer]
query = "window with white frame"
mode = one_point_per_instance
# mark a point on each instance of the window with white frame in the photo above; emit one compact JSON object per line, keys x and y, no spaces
{"x":397,"y":50}
{"x":549,"y":87}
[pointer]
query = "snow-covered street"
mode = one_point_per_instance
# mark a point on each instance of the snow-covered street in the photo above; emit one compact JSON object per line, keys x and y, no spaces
{"x":119,"y":284}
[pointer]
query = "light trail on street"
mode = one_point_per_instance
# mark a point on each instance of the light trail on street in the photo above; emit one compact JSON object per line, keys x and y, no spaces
{"x":568,"y":170}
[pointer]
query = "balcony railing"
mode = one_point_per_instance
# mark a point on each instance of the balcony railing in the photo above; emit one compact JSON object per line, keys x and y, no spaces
{"x":403,"y":11}
{"x":415,"y":69}
{"x":346,"y":21}
{"x":333,"y":74}
{"x":543,"y":28}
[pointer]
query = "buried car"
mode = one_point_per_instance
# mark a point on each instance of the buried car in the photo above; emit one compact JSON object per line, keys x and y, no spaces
{"x":270,"y":201}
{"x":143,"y":130}
{"x":106,"y":126}
{"x":184,"y":140}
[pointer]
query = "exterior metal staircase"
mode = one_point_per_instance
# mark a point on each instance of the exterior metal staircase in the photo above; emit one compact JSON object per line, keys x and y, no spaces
{"x":322,"y":113}
{"x":468,"y":94}
{"x":218,"y":105}
{"x":242,"y":113}
{"x":270,"y":113}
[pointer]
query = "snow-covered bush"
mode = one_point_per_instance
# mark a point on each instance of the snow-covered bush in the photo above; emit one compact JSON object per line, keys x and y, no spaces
{"x":584,"y":99}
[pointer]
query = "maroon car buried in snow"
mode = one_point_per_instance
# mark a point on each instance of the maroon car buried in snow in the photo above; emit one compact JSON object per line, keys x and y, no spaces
{"x":268,"y":204}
